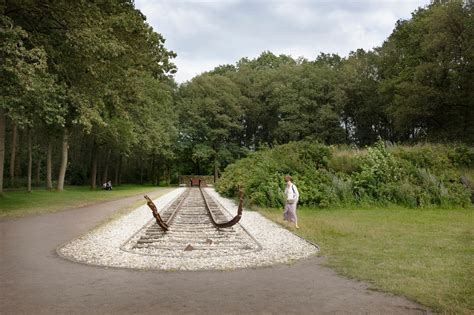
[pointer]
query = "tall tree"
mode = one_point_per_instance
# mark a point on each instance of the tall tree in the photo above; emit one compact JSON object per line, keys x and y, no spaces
{"x":21,"y":68}
{"x":428,"y":73}
{"x":310,"y":102}
{"x":209,"y":118}
{"x":90,"y":47}
{"x":2,"y":147}
{"x":13,"y":154}
{"x":365,"y":113}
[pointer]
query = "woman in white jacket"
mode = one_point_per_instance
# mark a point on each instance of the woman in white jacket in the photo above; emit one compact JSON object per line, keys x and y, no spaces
{"x":292,"y":195}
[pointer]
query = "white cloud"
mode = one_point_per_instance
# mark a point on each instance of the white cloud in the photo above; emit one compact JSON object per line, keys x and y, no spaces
{"x":190,"y":67}
{"x":206,"y":34}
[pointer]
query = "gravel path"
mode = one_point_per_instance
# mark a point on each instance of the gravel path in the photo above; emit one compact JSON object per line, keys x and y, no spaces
{"x":111,"y":245}
{"x":35,"y":280}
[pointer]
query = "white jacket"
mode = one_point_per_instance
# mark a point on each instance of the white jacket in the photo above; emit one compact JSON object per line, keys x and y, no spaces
{"x":292,"y":193}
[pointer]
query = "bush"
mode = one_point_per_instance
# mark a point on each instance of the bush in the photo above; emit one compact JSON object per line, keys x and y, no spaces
{"x":416,"y":176}
{"x":345,"y":160}
{"x":342,"y":188}
{"x":378,"y":168}
{"x":462,"y":156}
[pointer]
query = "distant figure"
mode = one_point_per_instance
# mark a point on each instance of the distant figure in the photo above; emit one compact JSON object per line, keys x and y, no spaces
{"x":107,"y":185}
{"x":291,"y":196}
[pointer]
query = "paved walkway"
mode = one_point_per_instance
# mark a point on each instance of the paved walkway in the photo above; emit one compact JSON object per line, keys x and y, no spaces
{"x":33,"y":280}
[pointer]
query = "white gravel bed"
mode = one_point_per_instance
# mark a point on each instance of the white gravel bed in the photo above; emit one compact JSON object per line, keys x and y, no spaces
{"x":105,"y":246}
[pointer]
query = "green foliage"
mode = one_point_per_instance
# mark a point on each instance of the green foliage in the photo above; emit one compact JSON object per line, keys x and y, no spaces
{"x":378,"y":168}
{"x":462,"y":156}
{"x":209,"y":111}
{"x":344,"y":160}
{"x":418,"y":85}
{"x":98,"y":72}
{"x":427,"y":70}
{"x":77,"y":174}
{"x":364,"y":110}
{"x":417,"y":176}
{"x":261,"y":174}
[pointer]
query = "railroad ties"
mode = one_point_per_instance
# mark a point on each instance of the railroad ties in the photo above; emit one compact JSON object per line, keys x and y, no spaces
{"x":191,"y":230}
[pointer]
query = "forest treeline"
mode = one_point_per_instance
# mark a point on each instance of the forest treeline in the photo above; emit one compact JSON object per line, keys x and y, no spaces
{"x":95,"y":78}
{"x":86,"y":85}
{"x":417,"y":86}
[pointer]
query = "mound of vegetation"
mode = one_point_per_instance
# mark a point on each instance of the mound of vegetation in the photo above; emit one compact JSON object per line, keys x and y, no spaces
{"x":413,"y":176}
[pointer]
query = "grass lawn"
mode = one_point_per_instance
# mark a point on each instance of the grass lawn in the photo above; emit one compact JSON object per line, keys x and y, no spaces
{"x":426,"y":255}
{"x":21,"y":203}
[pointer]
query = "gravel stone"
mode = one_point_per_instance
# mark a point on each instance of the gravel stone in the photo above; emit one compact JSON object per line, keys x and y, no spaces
{"x":110,"y":245}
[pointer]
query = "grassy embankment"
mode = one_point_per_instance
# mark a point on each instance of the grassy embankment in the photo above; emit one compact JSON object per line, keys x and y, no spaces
{"x":424,"y":254}
{"x":21,"y":203}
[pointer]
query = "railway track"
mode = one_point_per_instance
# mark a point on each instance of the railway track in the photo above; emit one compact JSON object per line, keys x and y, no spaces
{"x":196,"y":225}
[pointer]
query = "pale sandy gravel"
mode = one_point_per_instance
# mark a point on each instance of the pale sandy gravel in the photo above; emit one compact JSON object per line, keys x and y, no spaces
{"x":106,"y":246}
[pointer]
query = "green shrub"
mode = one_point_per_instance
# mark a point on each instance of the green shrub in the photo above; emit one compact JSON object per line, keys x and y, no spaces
{"x":433,"y":157}
{"x":346,"y":161}
{"x":404,"y":193}
{"x":378,"y":168}
{"x":342,"y":187}
{"x":415,"y":176}
{"x":462,"y":156}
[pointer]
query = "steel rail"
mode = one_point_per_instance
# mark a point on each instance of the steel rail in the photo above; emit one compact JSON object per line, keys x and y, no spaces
{"x":165,"y":225}
{"x":234,"y":220}
{"x":178,"y":207}
{"x":157,"y":216}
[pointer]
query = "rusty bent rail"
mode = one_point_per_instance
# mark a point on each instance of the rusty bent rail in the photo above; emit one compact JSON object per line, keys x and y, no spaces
{"x":157,"y":216}
{"x":165,"y":225}
{"x":232,"y":222}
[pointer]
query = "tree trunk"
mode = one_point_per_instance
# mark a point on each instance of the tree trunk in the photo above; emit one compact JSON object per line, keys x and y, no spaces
{"x":2,"y":148}
{"x":153,"y":170}
{"x":38,"y":171}
{"x":117,"y":171}
{"x":63,"y":167}
{"x":119,"y":179}
{"x":13,"y":155}
{"x":216,"y":170}
{"x":141,"y":171}
{"x":30,"y":161}
{"x":49,"y":178}
{"x":99,"y":166}
{"x":157,"y":176}
{"x":159,"y":173}
{"x":94,"y":167}
{"x":105,"y":177}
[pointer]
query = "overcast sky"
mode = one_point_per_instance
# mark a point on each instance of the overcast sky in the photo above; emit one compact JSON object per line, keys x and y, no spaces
{"x":208,"y":33}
